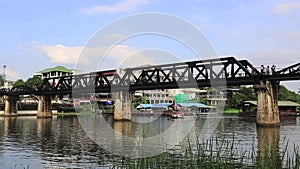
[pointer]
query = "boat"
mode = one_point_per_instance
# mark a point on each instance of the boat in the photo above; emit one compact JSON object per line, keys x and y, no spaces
{"x":286,"y":108}
{"x":175,"y":115}
{"x":281,"y":114}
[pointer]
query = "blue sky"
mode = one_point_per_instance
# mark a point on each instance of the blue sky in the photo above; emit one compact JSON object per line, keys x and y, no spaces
{"x":41,"y":34}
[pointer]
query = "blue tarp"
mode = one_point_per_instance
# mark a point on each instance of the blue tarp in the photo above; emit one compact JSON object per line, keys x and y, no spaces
{"x":145,"y":106}
{"x":161,"y":105}
{"x":193,"y":105}
{"x":149,"y":106}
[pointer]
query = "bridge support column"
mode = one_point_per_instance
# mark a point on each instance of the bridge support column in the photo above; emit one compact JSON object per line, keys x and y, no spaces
{"x":122,"y":106}
{"x":267,"y":103}
{"x":11,"y":108}
{"x":44,"y":107}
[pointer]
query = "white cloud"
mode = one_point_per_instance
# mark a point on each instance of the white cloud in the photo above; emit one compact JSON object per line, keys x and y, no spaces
{"x":61,"y":54}
{"x":88,"y":59}
{"x":286,"y":8}
{"x":91,"y":59}
{"x":124,"y":6}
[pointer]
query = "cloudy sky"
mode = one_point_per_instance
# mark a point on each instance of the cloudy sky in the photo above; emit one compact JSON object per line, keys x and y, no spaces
{"x":41,"y":34}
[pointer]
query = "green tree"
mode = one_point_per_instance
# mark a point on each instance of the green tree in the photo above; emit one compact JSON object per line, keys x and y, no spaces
{"x":143,"y":100}
{"x":286,"y":95}
{"x":34,"y":82}
{"x":18,"y":83}
{"x":204,"y":101}
{"x":235,"y":99}
{"x":1,"y":80}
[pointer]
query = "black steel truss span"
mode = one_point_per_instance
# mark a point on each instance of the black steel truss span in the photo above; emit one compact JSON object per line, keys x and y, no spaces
{"x":203,"y":73}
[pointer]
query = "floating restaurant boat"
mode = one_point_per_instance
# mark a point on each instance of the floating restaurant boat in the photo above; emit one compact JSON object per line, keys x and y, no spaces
{"x":286,"y":108}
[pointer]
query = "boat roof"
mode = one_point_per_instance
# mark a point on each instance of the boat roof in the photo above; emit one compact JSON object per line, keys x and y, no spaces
{"x":280,"y":103}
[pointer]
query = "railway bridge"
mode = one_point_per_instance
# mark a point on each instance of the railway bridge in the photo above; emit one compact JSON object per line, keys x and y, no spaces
{"x":219,"y":72}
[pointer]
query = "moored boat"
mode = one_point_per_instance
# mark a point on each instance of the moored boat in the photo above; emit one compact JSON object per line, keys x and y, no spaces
{"x":175,"y":115}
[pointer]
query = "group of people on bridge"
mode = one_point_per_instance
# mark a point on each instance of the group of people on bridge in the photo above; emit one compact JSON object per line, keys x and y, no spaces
{"x":267,"y":70}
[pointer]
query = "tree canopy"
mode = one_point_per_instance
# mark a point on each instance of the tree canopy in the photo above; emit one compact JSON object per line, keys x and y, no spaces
{"x":1,"y":80}
{"x":235,"y":99}
{"x":33,"y":82}
{"x":18,"y":83}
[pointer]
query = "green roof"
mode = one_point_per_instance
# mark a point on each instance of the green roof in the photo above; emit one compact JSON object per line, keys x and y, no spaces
{"x":280,"y":103}
{"x":56,"y":69}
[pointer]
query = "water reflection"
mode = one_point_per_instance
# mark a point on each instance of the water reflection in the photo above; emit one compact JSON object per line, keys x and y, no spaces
{"x":9,"y":125}
{"x":61,"y":142}
{"x":268,"y":144}
{"x":123,"y":128}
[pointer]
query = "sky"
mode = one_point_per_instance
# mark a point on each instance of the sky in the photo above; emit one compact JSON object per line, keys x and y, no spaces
{"x":40,"y":34}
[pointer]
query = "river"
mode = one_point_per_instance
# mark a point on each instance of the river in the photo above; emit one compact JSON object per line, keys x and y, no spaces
{"x":61,"y":142}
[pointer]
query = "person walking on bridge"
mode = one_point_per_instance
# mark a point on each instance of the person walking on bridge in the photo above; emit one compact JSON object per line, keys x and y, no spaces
{"x":273,"y":69}
{"x":262,"y":69}
{"x":268,"y":70}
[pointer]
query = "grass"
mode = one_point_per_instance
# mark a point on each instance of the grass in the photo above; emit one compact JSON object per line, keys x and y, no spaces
{"x":213,"y":154}
{"x":231,"y":111}
{"x":217,"y":154}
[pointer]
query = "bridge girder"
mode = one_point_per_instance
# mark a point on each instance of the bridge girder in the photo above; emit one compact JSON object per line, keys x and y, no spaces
{"x":202,"y":73}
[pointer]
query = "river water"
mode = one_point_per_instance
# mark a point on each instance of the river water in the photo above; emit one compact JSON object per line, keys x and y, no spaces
{"x":61,"y":142}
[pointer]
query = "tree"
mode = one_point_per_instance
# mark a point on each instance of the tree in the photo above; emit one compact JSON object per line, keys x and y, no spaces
{"x":286,"y":95}
{"x":34,"y":82}
{"x":1,"y":80}
{"x":204,"y":101}
{"x":18,"y":83}
{"x":235,"y":99}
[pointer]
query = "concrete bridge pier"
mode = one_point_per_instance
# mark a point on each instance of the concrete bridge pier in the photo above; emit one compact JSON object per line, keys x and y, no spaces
{"x":44,"y":107}
{"x":122,"y":105}
{"x":267,"y":104}
{"x":11,"y":108}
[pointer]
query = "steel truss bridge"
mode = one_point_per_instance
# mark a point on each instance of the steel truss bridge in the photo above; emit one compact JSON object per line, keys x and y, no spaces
{"x":202,"y":73}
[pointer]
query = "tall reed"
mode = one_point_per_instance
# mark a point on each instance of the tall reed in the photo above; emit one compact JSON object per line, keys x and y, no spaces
{"x":217,"y":154}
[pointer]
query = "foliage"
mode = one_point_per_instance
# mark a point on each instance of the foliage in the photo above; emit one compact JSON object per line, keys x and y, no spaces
{"x":235,"y":99}
{"x":204,"y":101}
{"x":18,"y":83}
{"x":216,"y":153}
{"x":286,"y":95}
{"x":34,"y":82}
{"x":1,"y":80}
{"x":141,"y":100}
{"x":31,"y":82}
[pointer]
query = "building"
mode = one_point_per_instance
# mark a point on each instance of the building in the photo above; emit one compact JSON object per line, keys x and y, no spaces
{"x":186,"y":94}
{"x":57,"y":71}
{"x":155,"y":96}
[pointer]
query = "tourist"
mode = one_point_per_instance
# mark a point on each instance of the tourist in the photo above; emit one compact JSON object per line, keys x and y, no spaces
{"x":268,"y":70}
{"x":273,"y":69}
{"x":262,"y":69}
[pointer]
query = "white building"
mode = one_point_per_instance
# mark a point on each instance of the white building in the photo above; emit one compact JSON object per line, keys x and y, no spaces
{"x":156,"y":96}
